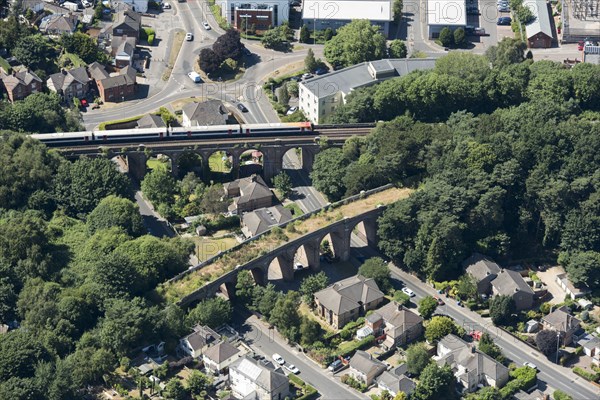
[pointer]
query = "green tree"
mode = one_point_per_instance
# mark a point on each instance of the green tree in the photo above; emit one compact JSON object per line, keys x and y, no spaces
{"x":283,"y":183}
{"x":446,"y":37}
{"x":116,"y":211}
{"x":82,"y":45}
{"x":583,"y":268}
{"x":174,"y":390}
{"x":501,"y":308}
{"x":244,"y":288}
{"x":487,"y":346}
{"x":312,"y":284}
{"x":212,"y":200}
{"x":125,"y":323}
{"x":397,"y":10}
{"x":197,"y":383}
{"x":212,"y":312}
{"x":310,"y":62}
{"x":159,"y":186}
{"x":33,"y":51}
{"x":328,"y":172}
{"x":460,"y":37}
{"x":328,"y":34}
{"x":285,"y":315}
{"x":113,"y":276}
{"x":547,"y":342}
{"x":283,"y":96}
{"x":560,"y":395}
{"x":354,"y":43}
{"x":435,"y":383}
{"x":310,"y":331}
{"x":304,"y":34}
{"x":427,"y":307}
{"x":440,"y":326}
{"x":417,"y":358}
{"x":292,"y":88}
{"x":277,"y":38}
{"x":508,"y":51}
{"x":377,"y":269}
{"x":20,"y":351}
{"x":265,"y":299}
{"x":397,"y":49}
{"x":466,"y":287}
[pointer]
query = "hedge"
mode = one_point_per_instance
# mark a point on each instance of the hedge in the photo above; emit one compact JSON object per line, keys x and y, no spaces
{"x":309,"y":391}
{"x":527,"y":377}
{"x":350,"y":348}
{"x":103,"y":125}
{"x":151,"y":39}
{"x":560,"y":395}
{"x":590,"y":376}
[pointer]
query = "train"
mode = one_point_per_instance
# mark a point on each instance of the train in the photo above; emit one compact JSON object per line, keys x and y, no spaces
{"x":136,"y":135}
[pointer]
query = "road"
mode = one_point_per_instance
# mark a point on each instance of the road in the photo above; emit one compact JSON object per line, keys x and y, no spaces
{"x":267,"y":342}
{"x":305,"y":195}
{"x":156,"y":225}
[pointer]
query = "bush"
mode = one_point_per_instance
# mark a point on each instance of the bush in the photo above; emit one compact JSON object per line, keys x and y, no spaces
{"x":353,"y":383}
{"x":526,"y":377}
{"x":151,"y":39}
{"x":579,"y":350}
{"x":559,"y":395}
{"x":349,"y":348}
{"x":590,"y":376}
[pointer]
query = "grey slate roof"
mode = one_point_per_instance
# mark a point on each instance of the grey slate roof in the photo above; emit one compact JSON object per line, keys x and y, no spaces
{"x":22,"y":77}
{"x":128,"y":19}
{"x":346,"y":294}
{"x":59,"y":23}
{"x":251,"y":188}
{"x":396,"y":382}
{"x":263,"y":374}
{"x":150,"y":121}
{"x":211,"y":112}
{"x":62,"y":80}
{"x":365,"y":363}
{"x":398,"y":317}
{"x":97,"y":71}
{"x":562,"y":320}
{"x":480,"y":267}
{"x":508,"y":282}
{"x":261,"y":219}
{"x":347,"y":79}
{"x":201,"y":336}
{"x":535,"y":395}
{"x":541,"y":23}
{"x":221,"y":352}
{"x":126,"y":77}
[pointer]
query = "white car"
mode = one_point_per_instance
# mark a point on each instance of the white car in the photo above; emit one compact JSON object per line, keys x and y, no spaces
{"x":166,"y":6}
{"x":189,"y":36}
{"x":206,"y":25}
{"x":86,"y":3}
{"x":530,"y":365}
{"x":292,"y":368}
{"x":278,"y":359}
{"x":407,"y":291}
{"x":307,"y":76}
{"x":291,"y":110}
{"x":298,"y":266}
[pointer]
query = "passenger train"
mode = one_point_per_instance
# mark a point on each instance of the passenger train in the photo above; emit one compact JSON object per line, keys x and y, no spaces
{"x":174,"y":134}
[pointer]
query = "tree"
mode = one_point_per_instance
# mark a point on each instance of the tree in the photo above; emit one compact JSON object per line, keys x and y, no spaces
{"x":547,"y":342}
{"x":584,"y":268}
{"x":304,"y":34}
{"x":328,"y":34}
{"x":401,"y":396}
{"x":285,"y":315}
{"x":312,"y":284}
{"x":560,"y":395}
{"x":244,"y":288}
{"x":20,"y":351}
{"x":277,"y":37}
{"x":417,"y":358}
{"x":174,"y":390}
{"x":283,"y":183}
{"x":79,"y":186}
{"x":427,"y":307}
{"x":292,"y":88}
{"x":116,"y":211}
{"x":265,"y":299}
{"x":197,"y":383}
{"x":460,"y":37}
{"x":283,"y":96}
{"x":229,"y":64}
{"x":466,"y":287}
{"x":354,"y":43}
{"x":508,"y":51}
{"x":501,"y":308}
{"x":397,"y":10}
{"x":33,"y":51}
{"x":435,"y":383}
{"x":125,"y":323}
{"x":228,"y":45}
{"x":397,"y":49}
{"x":212,"y":312}
{"x":310,"y":62}
{"x":440,"y":326}
{"x":159,"y":186}
{"x":213,"y":200}
{"x":487,"y":346}
{"x":209,"y":60}
{"x":328,"y":172}
{"x":377,"y":269}
{"x":82,"y":45}
{"x":167,"y":118}
{"x":310,"y":331}
{"x":446,"y":37}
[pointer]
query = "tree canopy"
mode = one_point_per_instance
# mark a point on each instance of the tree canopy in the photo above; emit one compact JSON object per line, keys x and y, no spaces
{"x":354,"y":43}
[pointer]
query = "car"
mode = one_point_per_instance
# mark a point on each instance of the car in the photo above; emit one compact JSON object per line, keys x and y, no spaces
{"x":294,"y":3}
{"x":292,"y":368}
{"x":258,"y":357}
{"x":86,"y":3}
{"x":206,"y":25}
{"x":459,"y":303}
{"x":166,"y":6}
{"x":439,"y":301}
{"x":307,"y":76}
{"x":408,"y":292}
{"x":530,"y":365}
{"x":321,"y":71}
{"x":503,"y":9}
{"x":84,"y":103}
{"x":291,"y":110}
{"x":504,"y":21}
{"x":194,"y":76}
{"x":334,"y":366}
{"x":242,"y":107}
{"x":278,"y":359}
{"x":298,"y":266}
{"x":189,"y":36}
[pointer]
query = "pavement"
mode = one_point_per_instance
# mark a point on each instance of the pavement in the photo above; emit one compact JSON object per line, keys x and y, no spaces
{"x":305,"y":195}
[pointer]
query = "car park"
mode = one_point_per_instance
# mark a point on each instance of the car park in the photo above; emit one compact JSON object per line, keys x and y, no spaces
{"x":278,"y":359}
{"x":206,"y":25}
{"x":189,"y":36}
{"x":334,"y":366}
{"x":408,"y":292}
{"x":242,"y":107}
{"x":291,"y":110}
{"x":292,"y":368}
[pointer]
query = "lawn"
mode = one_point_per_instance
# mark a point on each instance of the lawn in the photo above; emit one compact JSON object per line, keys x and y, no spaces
{"x":218,"y":164}
{"x":154,"y":163}
{"x":177,"y":43}
{"x":207,"y":247}
{"x":75,"y":60}
{"x":295,"y":209}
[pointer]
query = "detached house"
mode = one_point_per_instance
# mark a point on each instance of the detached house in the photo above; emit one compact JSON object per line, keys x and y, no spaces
{"x":258,"y":380}
{"x":348,"y":299}
{"x":128,"y":23}
{"x":220,"y":355}
{"x":561,"y":320}
{"x":365,"y":368}
{"x":400,"y":325}
{"x":21,"y":84}
{"x":471,"y":367}
{"x":69,"y":84}
{"x":395,"y":381}
{"x":511,"y":283}
{"x":59,"y":24}
{"x":483,"y":271}
{"x":248,"y":194}
{"x":197,"y":342}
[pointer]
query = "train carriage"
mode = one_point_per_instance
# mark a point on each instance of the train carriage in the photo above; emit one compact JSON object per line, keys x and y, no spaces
{"x":279,"y":128}
{"x":131,"y":135}
{"x":63,"y":138}
{"x":204,"y":131}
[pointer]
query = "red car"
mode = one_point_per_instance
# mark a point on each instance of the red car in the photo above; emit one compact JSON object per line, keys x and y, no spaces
{"x":580,"y":45}
{"x":439,"y":301}
{"x":84,"y":103}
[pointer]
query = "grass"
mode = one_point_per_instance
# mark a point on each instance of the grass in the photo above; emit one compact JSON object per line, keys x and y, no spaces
{"x":154,"y":163}
{"x":175,"y":291}
{"x":295,"y":209}
{"x":175,"y":48}
{"x":74,"y":59}
{"x":5,"y":65}
{"x":217,"y":164}
{"x":104,"y":125}
{"x":207,"y":247}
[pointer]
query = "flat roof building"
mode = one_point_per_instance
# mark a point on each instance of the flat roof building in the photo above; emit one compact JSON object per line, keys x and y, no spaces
{"x":323,"y":14}
{"x":260,"y":14}
{"x":445,"y":13}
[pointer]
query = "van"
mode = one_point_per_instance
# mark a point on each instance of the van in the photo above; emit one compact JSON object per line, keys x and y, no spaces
{"x":194,"y":76}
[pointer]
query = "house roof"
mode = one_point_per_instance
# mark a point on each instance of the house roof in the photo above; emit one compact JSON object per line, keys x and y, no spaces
{"x":221,"y":351}
{"x":541,"y":23}
{"x":97,"y":71}
{"x":396,"y":382}
{"x":480,"y":267}
{"x":201,"y":337}
{"x":348,"y":294}
{"x":509,"y":282}
{"x":123,"y":45}
{"x":59,"y":22}
{"x":262,"y":373}
{"x":150,"y":121}
{"x":251,"y":188}
{"x":573,"y":289}
{"x":347,"y":79}
{"x":535,"y":395}
{"x":126,"y":77}
{"x":128,"y":19}
{"x":562,"y":320}
{"x":22,"y":77}
{"x":365,"y":363}
{"x":211,"y":112}
{"x":261,"y":219}
{"x":62,"y":80}
{"x":398,"y":319}
{"x":373,"y":10}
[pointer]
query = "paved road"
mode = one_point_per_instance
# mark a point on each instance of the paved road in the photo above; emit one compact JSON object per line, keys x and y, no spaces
{"x":306,"y":196}
{"x":267,"y":342}
{"x":155,"y":224}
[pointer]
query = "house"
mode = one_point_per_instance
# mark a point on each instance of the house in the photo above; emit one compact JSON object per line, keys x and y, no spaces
{"x":365,"y":368}
{"x":140,"y":6}
{"x":320,"y":96}
{"x":257,"y":380}
{"x":539,"y":31}
{"x":59,"y":24}
{"x":470,"y":366}
{"x":128,"y":23}
{"x":263,"y":14}
{"x":572,"y":291}
{"x":483,"y":271}
{"x":395,"y":381}
{"x":198,"y":341}
{"x":511,"y":283}
{"x":262,"y":219}
{"x":399,"y":325}
{"x":123,"y":48}
{"x":97,"y":71}
{"x":248,"y":194}
{"x":69,"y":84}
{"x":445,"y":13}
{"x":220,"y":355}
{"x":535,"y":395}
{"x":150,"y":121}
{"x":591,"y":347}
{"x":211,"y":112}
{"x":561,"y":320}
{"x":118,"y":87}
{"x":348,"y":299}
{"x":20,"y":84}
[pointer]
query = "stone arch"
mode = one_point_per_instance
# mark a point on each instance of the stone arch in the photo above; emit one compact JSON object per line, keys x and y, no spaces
{"x":251,"y":161}
{"x":160,"y":161}
{"x":221,"y":166}
{"x":280,"y":268}
{"x":366,"y":231}
{"x":189,"y":161}
{"x":259,"y":275}
{"x":292,"y":159}
{"x":120,"y":160}
{"x":306,"y":256}
{"x":227,"y":289}
{"x":326,"y":250}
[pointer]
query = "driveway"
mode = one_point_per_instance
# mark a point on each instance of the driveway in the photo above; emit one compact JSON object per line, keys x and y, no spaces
{"x":549,"y":279}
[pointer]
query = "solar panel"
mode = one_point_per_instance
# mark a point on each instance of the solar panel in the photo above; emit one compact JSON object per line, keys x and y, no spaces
{"x":249,"y":369}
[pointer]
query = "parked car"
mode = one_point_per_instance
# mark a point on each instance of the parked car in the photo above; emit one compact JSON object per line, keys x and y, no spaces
{"x":291,"y":110}
{"x":321,"y":71}
{"x":407,"y":291}
{"x":294,"y":3}
{"x":166,"y":6}
{"x":86,"y":3}
{"x":334,"y":366}
{"x":439,"y":301}
{"x":530,"y":365}
{"x":206,"y":25}
{"x":307,"y":76}
{"x":298,"y":266}
{"x":503,"y":9}
{"x":84,"y":103}
{"x":278,"y":359}
{"x":292,"y":368}
{"x":189,"y":36}
{"x":504,"y":21}
{"x":242,"y":107}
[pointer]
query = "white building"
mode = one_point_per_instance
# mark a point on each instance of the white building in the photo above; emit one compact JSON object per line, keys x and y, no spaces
{"x":140,"y":6}
{"x":445,"y":13}
{"x":320,"y":96}
{"x":220,"y":355}
{"x":257,"y":380}
{"x":323,"y":14}
{"x":262,"y":14}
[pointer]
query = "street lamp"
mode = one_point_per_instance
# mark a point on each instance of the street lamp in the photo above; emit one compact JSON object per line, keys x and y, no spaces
{"x":557,"y":344}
